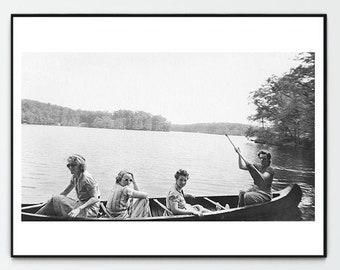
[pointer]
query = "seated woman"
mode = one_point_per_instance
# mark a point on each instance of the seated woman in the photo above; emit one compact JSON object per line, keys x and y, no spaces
{"x":88,"y":194}
{"x":120,"y":202}
{"x":175,"y":200}
{"x":262,"y":175}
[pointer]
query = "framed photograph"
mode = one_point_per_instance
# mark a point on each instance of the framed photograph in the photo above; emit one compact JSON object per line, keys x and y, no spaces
{"x":169,"y":135}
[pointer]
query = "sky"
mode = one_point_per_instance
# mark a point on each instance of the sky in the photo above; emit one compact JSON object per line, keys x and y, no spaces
{"x":182,"y":87}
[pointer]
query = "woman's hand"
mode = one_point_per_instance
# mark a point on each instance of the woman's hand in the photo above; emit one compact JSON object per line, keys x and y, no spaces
{"x":197,"y":213}
{"x":74,"y":212}
{"x":247,"y":163}
{"x":219,"y":207}
{"x":133,"y":181}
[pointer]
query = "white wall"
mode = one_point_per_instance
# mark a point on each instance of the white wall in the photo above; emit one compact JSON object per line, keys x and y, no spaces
{"x":175,"y":6}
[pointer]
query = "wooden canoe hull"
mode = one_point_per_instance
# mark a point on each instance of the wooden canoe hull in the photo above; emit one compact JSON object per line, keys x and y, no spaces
{"x":284,"y":206}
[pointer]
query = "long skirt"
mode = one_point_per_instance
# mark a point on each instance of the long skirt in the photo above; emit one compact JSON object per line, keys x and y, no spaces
{"x":139,"y":208}
{"x":60,"y":205}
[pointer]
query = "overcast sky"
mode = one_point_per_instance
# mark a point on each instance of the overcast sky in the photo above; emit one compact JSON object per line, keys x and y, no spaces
{"x":183,"y":87}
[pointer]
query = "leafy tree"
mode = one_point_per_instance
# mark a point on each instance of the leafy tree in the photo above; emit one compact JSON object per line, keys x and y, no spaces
{"x":285,"y":105}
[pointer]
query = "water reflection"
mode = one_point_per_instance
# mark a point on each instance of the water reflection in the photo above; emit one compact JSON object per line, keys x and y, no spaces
{"x":296,"y":165}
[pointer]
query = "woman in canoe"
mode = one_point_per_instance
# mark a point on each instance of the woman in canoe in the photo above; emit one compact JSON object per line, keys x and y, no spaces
{"x":262,"y":175}
{"x":120,"y":202}
{"x":175,"y":200}
{"x":87,"y":191}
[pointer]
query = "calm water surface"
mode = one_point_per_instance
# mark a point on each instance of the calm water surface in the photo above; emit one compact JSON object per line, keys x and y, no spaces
{"x":154,"y":157}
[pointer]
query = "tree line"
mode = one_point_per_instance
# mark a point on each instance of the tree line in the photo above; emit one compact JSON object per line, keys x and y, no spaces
{"x":35,"y":112}
{"x":285,"y":106}
{"x":39,"y":113}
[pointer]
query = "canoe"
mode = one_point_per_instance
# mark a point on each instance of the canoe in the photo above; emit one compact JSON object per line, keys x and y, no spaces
{"x":283,"y":206}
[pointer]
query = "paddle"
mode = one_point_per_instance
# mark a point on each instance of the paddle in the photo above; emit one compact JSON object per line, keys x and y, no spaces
{"x":235,"y":148}
{"x":161,"y":205}
{"x":215,"y":203}
{"x":33,"y":206}
{"x":255,"y":174}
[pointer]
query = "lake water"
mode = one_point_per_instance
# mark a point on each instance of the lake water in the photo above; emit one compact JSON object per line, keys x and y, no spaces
{"x":154,"y":157}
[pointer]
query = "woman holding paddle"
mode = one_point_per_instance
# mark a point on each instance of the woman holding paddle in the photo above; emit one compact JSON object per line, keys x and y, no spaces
{"x":262,"y":175}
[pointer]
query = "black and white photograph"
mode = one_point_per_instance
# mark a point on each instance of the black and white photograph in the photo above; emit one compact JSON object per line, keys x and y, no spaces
{"x":142,"y":129}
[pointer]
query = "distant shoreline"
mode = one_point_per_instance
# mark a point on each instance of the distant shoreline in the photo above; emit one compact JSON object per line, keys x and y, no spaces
{"x":28,"y":124}
{"x":39,"y":113}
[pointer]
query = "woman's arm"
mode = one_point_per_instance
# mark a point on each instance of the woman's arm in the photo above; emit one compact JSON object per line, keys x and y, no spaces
{"x":136,"y":193}
{"x":67,"y":190}
{"x":139,"y":194}
{"x":93,"y":192}
{"x":242,"y":165}
{"x":262,"y":178}
{"x":177,"y":211}
{"x":259,"y":178}
{"x":75,"y":212}
{"x":93,"y":199}
{"x":135,"y":187}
